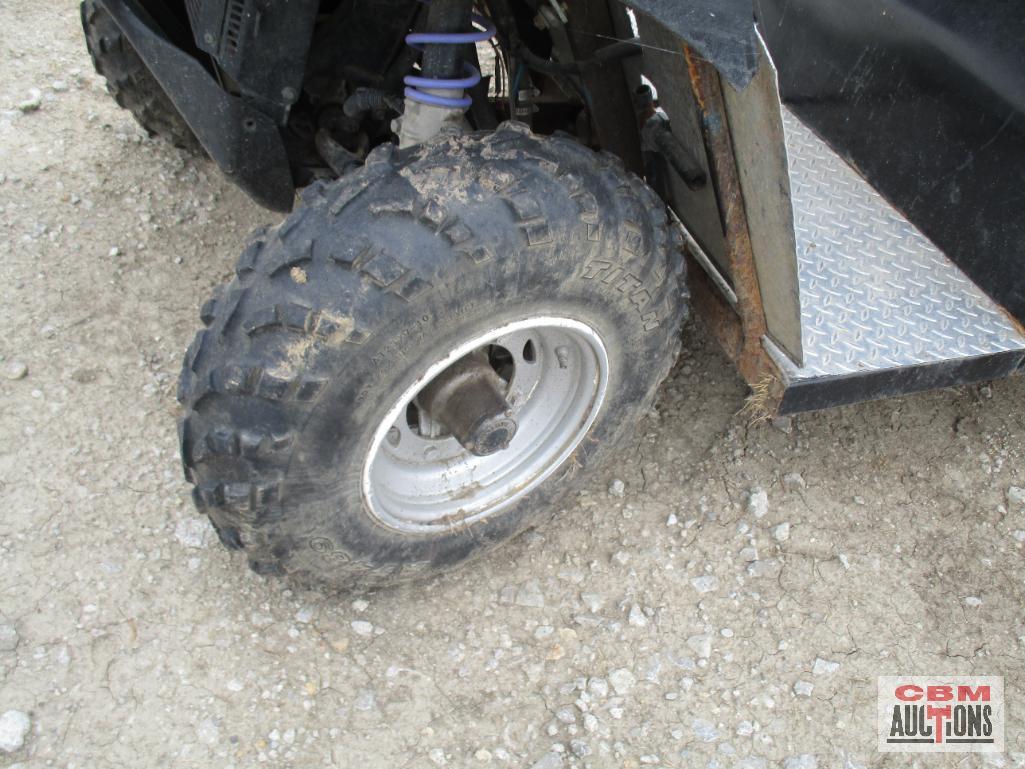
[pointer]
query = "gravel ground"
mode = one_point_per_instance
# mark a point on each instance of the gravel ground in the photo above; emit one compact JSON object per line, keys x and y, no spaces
{"x":726,"y":598}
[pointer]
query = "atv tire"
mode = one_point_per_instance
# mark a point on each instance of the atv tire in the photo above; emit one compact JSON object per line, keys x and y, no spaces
{"x":130,"y":82}
{"x":343,"y":306}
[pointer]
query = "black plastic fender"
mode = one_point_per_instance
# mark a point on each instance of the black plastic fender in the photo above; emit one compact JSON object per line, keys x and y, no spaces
{"x":243,"y":141}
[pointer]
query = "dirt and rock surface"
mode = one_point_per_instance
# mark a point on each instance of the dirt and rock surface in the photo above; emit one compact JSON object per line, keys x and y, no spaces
{"x":725,"y":597}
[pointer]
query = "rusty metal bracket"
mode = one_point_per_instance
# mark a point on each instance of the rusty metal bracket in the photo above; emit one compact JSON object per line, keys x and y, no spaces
{"x":740,"y":332}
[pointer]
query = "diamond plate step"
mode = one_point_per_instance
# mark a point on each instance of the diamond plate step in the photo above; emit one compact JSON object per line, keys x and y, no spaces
{"x":878,"y":300}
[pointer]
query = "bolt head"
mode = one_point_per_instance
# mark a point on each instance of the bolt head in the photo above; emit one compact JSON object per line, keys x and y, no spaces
{"x":394,"y":436}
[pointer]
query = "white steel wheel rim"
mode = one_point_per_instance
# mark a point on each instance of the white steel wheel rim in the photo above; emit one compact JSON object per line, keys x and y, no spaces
{"x":418,"y":484}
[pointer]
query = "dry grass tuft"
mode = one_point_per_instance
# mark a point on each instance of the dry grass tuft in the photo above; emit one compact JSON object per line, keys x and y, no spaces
{"x":757,"y":407}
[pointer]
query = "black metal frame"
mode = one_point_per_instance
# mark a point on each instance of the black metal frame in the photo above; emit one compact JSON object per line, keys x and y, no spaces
{"x":818,"y":394}
{"x":251,"y":77}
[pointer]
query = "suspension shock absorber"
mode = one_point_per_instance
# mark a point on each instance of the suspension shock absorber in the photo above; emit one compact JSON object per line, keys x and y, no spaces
{"x":435,"y":98}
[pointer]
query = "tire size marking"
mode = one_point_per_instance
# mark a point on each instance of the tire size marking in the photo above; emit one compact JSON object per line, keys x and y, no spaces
{"x":411,"y":338}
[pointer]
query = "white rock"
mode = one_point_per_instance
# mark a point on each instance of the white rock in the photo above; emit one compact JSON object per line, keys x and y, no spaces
{"x":672,"y":520}
{"x":617,"y":488}
{"x":745,"y":729}
{"x":580,"y":748}
{"x":593,"y":601}
{"x":530,"y":595}
{"x":14,"y":727}
{"x":437,"y":756}
{"x":549,"y":761}
{"x":208,"y":732}
{"x":8,"y":638}
{"x":803,"y":688}
{"x":194,"y":532}
{"x":33,"y":102}
{"x":1020,"y":535}
{"x":591,"y":723}
{"x":781,"y":533}
{"x":793,"y":482}
{"x":637,"y":618}
{"x":757,"y":502}
{"x":566,"y":714}
{"x":972,"y":600}
{"x":15,"y":369}
{"x":304,"y":615}
{"x":701,"y":645}
{"x":823,"y":667}
{"x":768,"y":567}
{"x":705,"y":584}
{"x":361,"y":627}
{"x":483,"y":755}
{"x":1016,"y":496}
{"x":803,"y":761}
{"x":599,"y":687}
{"x":360,"y":605}
{"x":704,"y":730}
{"x":622,"y":680}
{"x":749,"y":554}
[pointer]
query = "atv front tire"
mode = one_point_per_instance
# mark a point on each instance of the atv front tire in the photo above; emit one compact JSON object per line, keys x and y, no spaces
{"x":299,"y":433}
{"x":130,"y":82}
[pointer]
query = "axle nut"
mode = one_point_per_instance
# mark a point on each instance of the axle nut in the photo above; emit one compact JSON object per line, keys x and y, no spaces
{"x":491,"y":436}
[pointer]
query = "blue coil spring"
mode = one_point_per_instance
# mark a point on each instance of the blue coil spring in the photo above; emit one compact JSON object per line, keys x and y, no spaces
{"x":414,"y":84}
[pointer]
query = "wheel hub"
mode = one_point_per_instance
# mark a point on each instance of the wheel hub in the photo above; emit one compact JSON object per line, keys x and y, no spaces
{"x":485,"y":424}
{"x":468,"y":398}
